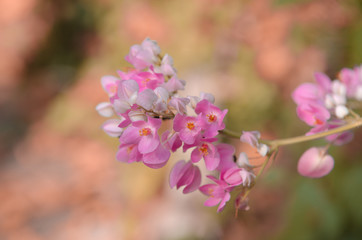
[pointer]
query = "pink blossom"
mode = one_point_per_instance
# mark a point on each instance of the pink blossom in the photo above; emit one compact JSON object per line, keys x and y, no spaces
{"x":148,"y":80}
{"x":144,"y":134}
{"x":350,"y":79}
{"x":324,"y":83}
{"x":144,"y":55}
{"x":218,"y":193}
{"x":126,"y":96}
{"x":157,"y":158}
{"x":174,"y":84}
{"x":315,"y":163}
{"x":185,"y":174}
{"x":250,"y":137}
{"x":110,"y":85}
{"x":306,"y":93}
{"x":166,"y":66}
{"x":313,"y":114}
{"x":128,"y":152}
{"x":212,"y":117}
{"x":208,"y":151}
{"x":179,"y":104}
{"x":188,"y":127}
{"x":226,"y":153}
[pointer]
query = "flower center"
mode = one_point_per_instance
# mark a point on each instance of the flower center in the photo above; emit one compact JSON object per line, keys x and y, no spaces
{"x":129,"y":149}
{"x":145,"y":132}
{"x":211,"y":117}
{"x":190,"y":125}
{"x":318,"y":121}
{"x":203,"y":149}
{"x":145,"y":81}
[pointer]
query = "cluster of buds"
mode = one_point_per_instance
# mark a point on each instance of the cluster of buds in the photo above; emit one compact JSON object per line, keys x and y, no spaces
{"x":327,"y":105}
{"x":149,"y":93}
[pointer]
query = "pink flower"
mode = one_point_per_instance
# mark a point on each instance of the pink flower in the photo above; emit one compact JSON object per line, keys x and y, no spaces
{"x":174,"y":84}
{"x":313,"y":114}
{"x":226,"y":153}
{"x":208,"y":151}
{"x":157,"y":158}
{"x":167,"y":66}
{"x":350,"y":79}
{"x":144,"y":55}
{"x":218,"y":193}
{"x":149,"y":79}
{"x":179,"y":104}
{"x":306,"y":93}
{"x":128,"y":152}
{"x":250,"y":137}
{"x":127,"y":93}
{"x":315,"y":163}
{"x":212,"y":117}
{"x":110,"y":85}
{"x":144,"y":134}
{"x":185,"y":174}
{"x":188,"y":127}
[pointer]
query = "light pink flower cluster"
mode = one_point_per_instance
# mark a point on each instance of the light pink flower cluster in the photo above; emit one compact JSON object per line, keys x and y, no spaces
{"x":325,"y":105}
{"x":144,"y":96}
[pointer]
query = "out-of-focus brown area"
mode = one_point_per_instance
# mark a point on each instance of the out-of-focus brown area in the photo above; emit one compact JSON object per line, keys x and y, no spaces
{"x":58,"y":175}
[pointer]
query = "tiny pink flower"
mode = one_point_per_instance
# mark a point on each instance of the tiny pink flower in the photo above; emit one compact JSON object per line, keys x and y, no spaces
{"x":157,"y":158}
{"x":174,"y":84}
{"x":218,"y":193}
{"x":149,"y":79}
{"x":208,"y":151}
{"x":166,"y":66}
{"x":144,"y":134}
{"x":144,"y":55}
{"x":226,"y":153}
{"x":313,"y":114}
{"x":128,"y":152}
{"x":185,"y":174}
{"x":315,"y":163}
{"x":179,"y":104}
{"x":212,"y":117}
{"x":306,"y":93}
{"x":110,"y":85}
{"x":250,"y":137}
{"x":188,"y":127}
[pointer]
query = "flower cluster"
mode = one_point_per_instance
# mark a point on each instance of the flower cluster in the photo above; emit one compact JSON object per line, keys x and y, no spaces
{"x":144,"y":96}
{"x":149,"y":93}
{"x":327,"y":105}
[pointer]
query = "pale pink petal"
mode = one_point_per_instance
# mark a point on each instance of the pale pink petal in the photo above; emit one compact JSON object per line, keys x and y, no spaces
{"x":157,"y":158}
{"x":176,"y":172}
{"x":105,"y":109}
{"x":315,"y":163}
{"x":194,"y":185}
{"x":148,"y":144}
{"x":111,"y":127}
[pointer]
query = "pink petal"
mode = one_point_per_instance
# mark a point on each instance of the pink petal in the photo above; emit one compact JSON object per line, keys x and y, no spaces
{"x":223,"y":202}
{"x":315,"y":163}
{"x":146,"y":99}
{"x":194,"y":185}
{"x":148,"y":144}
{"x":176,"y":172}
{"x":157,"y":158}
{"x":211,"y":201}
{"x":111,"y":127}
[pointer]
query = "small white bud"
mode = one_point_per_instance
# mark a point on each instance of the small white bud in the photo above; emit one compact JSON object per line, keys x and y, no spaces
{"x":341,"y":111}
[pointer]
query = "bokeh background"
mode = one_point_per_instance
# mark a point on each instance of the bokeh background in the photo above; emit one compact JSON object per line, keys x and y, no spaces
{"x":58,"y":175}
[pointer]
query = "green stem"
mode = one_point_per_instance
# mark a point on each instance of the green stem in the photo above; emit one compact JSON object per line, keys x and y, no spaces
{"x":274,"y":144}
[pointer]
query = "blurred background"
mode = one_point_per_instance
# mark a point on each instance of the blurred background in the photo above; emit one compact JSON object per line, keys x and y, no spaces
{"x":58,"y":175}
